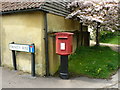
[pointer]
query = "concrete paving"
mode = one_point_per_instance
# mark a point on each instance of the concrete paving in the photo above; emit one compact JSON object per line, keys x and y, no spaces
{"x":17,"y":79}
{"x":0,"y":78}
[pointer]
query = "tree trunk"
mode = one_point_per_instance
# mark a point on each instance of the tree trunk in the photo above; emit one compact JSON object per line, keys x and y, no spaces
{"x":97,"y":35}
{"x":77,"y":33}
{"x":81,"y":33}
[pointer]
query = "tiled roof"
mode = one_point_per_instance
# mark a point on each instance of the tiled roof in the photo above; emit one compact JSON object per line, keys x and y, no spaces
{"x":11,"y":6}
{"x":58,"y":8}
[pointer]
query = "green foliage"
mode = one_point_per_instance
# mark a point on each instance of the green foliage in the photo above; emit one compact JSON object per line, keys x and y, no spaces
{"x":97,"y":62}
{"x":110,"y":37}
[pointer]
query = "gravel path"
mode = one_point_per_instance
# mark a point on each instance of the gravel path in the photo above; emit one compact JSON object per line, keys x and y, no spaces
{"x":112,"y":46}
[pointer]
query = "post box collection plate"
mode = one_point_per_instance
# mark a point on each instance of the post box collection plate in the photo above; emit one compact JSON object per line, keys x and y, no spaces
{"x":62,"y":46}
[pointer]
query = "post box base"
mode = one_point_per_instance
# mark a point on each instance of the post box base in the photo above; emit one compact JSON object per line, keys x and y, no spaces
{"x":64,"y":76}
{"x":63,"y":73}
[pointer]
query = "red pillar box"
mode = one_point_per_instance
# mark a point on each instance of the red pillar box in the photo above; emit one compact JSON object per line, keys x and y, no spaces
{"x":64,"y":48}
{"x":64,"y":43}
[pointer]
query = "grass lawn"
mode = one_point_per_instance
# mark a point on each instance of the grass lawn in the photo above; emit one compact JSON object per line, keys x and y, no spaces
{"x":112,"y":40}
{"x":95,"y":62}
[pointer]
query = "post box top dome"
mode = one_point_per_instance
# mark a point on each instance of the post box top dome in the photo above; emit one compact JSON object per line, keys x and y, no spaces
{"x":64,"y":33}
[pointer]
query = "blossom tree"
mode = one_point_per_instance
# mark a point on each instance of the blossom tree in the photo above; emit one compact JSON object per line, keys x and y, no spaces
{"x":98,"y":14}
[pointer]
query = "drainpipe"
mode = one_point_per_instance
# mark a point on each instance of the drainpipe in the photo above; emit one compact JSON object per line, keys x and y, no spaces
{"x":46,"y":45}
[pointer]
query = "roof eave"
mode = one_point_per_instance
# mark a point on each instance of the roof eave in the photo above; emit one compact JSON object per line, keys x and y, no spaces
{"x":21,"y":10}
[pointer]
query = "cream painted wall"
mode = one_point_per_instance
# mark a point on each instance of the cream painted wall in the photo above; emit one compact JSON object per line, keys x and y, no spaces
{"x":59,"y":23}
{"x":24,"y":28}
{"x":53,"y":57}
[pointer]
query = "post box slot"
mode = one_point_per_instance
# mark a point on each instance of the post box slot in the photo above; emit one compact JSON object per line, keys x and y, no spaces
{"x":62,"y":37}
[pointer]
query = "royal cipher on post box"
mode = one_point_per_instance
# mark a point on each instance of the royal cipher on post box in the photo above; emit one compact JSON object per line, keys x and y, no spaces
{"x":64,"y":43}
